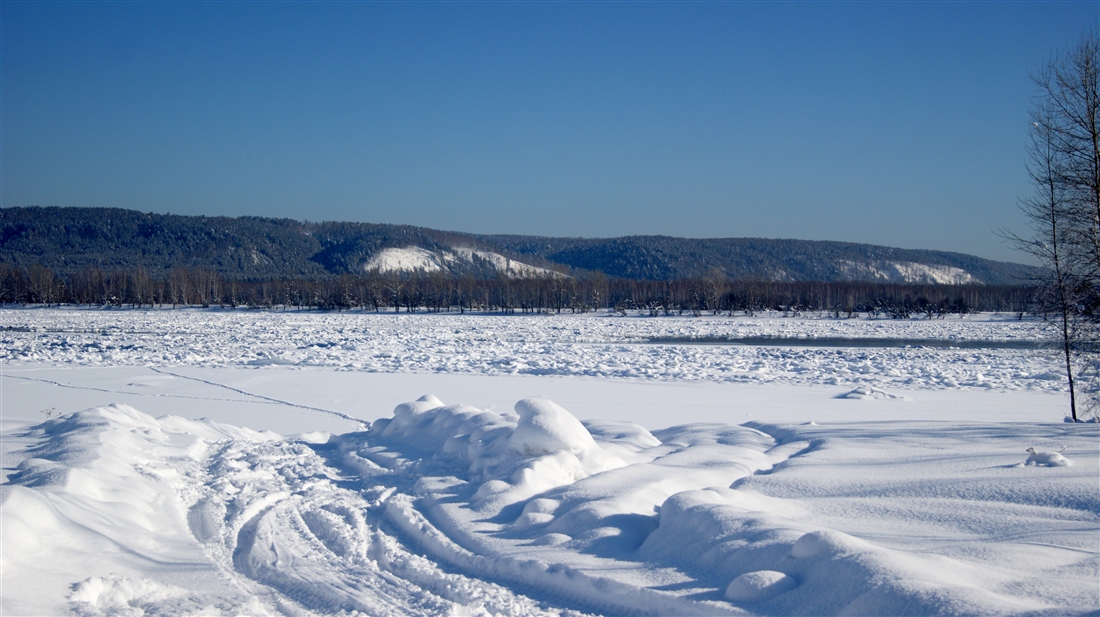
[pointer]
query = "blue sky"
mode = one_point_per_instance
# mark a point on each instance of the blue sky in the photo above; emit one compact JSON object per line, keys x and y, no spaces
{"x":891,"y":123}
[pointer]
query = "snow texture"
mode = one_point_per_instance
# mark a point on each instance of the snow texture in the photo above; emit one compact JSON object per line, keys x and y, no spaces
{"x":592,"y":346}
{"x":443,"y":508}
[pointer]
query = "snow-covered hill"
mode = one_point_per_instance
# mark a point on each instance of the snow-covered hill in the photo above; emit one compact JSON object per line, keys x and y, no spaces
{"x":906,"y":272}
{"x":69,"y":241}
{"x":452,"y":261}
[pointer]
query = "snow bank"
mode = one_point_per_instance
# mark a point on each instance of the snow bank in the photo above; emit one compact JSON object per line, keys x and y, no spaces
{"x":450,"y":509}
{"x":99,"y":492}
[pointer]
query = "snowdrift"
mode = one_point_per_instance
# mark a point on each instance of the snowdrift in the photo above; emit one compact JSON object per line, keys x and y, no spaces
{"x":449,"y":509}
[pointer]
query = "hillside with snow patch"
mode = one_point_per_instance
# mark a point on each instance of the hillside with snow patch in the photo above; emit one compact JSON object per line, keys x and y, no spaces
{"x":453,"y":261}
{"x":71,"y":240}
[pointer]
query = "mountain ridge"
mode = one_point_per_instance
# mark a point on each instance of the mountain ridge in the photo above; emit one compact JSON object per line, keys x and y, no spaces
{"x":255,"y":248}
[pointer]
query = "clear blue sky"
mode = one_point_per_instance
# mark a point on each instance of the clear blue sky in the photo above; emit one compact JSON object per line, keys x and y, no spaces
{"x":891,"y":123}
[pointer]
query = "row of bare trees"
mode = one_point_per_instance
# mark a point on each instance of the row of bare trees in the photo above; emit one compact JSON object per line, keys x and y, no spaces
{"x":437,"y":292}
{"x":1064,"y":210}
{"x":135,"y":287}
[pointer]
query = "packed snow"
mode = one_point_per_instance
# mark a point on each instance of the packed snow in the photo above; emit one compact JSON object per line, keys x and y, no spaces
{"x":204,"y":462}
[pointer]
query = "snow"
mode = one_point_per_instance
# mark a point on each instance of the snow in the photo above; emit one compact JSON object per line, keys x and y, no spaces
{"x":910,"y":272}
{"x":759,"y":586}
{"x":1047,"y":459}
{"x":415,"y":258}
{"x":407,"y":259}
{"x":562,"y":345}
{"x":439,"y":480}
{"x":907,"y":272}
{"x":509,"y":267}
{"x":868,"y":392}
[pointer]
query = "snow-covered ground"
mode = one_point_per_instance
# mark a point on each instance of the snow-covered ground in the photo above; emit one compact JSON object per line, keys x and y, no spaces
{"x":238,"y":462}
{"x":563,"y":345}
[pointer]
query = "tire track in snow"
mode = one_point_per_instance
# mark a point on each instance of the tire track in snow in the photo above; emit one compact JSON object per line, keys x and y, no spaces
{"x":269,"y":399}
{"x":294,"y":534}
{"x":126,"y":392}
{"x":565,"y":584}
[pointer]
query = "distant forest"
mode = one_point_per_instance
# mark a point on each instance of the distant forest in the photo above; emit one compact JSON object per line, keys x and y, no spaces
{"x":116,"y":257}
{"x":68,"y":240}
{"x":136,"y":287}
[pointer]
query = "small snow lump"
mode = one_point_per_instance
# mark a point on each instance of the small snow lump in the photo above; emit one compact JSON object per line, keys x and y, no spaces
{"x":1038,"y":458}
{"x":545,"y":427}
{"x":759,"y":586}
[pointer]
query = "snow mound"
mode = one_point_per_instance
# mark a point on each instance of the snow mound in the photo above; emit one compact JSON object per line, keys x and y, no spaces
{"x":869,"y":393}
{"x":449,"y":509}
{"x":759,"y":585}
{"x":1039,"y":458}
{"x":101,"y":489}
{"x":515,"y":456}
{"x":544,"y":427}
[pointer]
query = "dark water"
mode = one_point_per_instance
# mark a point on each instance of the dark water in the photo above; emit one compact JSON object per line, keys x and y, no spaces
{"x":840,"y":341}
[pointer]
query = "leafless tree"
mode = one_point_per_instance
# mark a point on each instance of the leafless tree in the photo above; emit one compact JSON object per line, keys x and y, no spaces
{"x":1064,"y":210}
{"x":43,"y":284}
{"x":1049,"y":214}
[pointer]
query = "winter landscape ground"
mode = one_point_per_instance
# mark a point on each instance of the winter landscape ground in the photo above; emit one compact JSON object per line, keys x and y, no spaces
{"x":198,"y":462}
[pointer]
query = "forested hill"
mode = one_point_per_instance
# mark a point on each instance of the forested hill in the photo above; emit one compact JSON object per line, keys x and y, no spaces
{"x":252,"y":248}
{"x":664,"y":257}
{"x":68,"y":240}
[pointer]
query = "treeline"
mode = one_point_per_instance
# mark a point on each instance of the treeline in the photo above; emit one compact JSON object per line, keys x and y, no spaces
{"x":136,"y":287}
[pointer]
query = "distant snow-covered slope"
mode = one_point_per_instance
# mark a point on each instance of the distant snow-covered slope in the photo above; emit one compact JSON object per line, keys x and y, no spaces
{"x":70,"y":240}
{"x":906,"y":272}
{"x":453,"y":260}
{"x":405,"y":259}
{"x":911,"y":272}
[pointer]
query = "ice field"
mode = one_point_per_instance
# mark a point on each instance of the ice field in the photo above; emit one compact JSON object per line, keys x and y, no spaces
{"x":196,"y":462}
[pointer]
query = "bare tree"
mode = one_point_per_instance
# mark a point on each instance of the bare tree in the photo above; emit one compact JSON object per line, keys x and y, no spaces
{"x":43,"y":284}
{"x":1069,"y":106}
{"x":1049,"y":213}
{"x":1064,"y":165}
